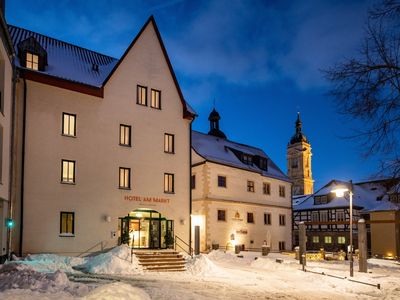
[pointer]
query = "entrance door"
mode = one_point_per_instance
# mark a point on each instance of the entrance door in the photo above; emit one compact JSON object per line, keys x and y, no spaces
{"x":155,"y":234}
{"x":169,"y":237}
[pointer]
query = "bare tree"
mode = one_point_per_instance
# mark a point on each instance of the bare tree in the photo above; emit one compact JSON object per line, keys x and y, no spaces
{"x":367,"y":87}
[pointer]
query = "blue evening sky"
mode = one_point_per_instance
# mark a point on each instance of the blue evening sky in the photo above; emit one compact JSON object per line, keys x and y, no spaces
{"x":260,"y":60}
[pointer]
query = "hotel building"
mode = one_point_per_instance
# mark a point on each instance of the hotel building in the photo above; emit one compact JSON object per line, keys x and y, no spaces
{"x":103,"y":146}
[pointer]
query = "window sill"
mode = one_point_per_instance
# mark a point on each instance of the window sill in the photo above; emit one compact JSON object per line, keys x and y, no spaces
{"x":66,"y":235}
{"x":171,"y":193}
{"x":224,"y":187}
{"x":124,"y":188}
{"x":127,"y":146}
{"x":169,"y":152}
{"x":157,"y":108}
{"x":67,"y":135}
{"x":221,"y":221}
{"x":67,"y":183}
{"x":141,"y":104}
{"x":250,"y":223}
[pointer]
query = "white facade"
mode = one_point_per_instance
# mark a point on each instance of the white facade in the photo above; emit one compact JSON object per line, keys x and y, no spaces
{"x":236,"y":202}
{"x":95,"y":198}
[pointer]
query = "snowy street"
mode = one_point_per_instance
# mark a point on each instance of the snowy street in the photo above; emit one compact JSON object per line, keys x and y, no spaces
{"x":217,"y":275}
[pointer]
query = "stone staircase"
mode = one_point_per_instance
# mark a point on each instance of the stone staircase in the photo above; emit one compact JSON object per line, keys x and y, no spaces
{"x":161,"y":261}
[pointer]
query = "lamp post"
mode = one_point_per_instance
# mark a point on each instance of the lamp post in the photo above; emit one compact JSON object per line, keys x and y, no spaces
{"x":340,"y":193}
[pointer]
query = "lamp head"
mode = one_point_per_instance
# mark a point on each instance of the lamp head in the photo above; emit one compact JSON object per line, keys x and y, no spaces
{"x":339,"y":191}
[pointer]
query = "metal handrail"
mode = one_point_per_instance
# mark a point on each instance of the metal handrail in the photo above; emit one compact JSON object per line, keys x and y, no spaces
{"x":101,"y":243}
{"x":190,"y":252}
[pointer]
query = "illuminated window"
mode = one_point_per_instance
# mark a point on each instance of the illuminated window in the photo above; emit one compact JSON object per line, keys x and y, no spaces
{"x":221,"y":215}
{"x":155,"y":99}
{"x":282,"y":246}
{"x":282,"y":191}
{"x":168,"y":183}
{"x":267,"y":219}
{"x":315,"y":239}
{"x":250,"y":217}
{"x":328,"y":240}
{"x":193,"y":182}
{"x":169,"y":143}
{"x":282,"y":220}
{"x":141,"y":95}
{"x":67,"y":171}
{"x":341,"y":240}
{"x":124,"y":178}
{"x":340,"y":216}
{"x":67,"y":226}
{"x":125,"y":135}
{"x":32,"y":61}
{"x":221,"y":181}
{"x":69,"y":124}
{"x":266,"y":188}
{"x":250,"y":186}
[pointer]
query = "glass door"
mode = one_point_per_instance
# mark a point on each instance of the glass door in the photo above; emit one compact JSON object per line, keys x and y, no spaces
{"x":170,"y":234}
{"x":155,"y":234}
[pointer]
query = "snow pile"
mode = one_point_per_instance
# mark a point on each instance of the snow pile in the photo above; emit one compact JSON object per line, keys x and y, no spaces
{"x":115,"y":261}
{"x":50,"y":263}
{"x":117,"y":291}
{"x":202,"y":266}
{"x":229,"y":257}
{"x":271,"y":264}
{"x":20,"y":276}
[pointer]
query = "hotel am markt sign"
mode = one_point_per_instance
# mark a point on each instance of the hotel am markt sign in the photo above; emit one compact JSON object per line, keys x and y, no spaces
{"x":142,"y":199}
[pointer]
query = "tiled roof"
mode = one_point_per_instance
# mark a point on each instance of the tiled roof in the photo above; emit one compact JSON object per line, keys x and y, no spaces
{"x":67,"y":61}
{"x":218,"y":150}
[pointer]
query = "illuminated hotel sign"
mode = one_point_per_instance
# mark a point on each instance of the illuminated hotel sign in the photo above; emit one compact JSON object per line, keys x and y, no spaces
{"x":146,"y":199}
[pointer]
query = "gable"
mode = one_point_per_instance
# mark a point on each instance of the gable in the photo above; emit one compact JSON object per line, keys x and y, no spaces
{"x":149,"y":38}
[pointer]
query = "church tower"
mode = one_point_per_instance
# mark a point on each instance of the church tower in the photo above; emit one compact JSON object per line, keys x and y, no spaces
{"x":299,"y":162}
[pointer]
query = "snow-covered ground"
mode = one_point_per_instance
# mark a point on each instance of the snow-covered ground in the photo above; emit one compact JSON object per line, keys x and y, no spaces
{"x":218,"y":275}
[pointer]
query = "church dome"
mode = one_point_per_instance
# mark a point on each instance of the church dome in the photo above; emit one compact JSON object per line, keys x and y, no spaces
{"x":214,"y":118}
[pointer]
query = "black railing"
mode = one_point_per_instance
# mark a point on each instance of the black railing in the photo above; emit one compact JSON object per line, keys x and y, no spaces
{"x":102,"y":245}
{"x":178,"y":243}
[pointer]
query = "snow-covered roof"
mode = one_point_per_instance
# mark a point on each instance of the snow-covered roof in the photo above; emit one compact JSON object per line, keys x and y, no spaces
{"x":83,"y":66}
{"x":219,"y":150}
{"x":367,"y":196}
{"x":67,"y":61}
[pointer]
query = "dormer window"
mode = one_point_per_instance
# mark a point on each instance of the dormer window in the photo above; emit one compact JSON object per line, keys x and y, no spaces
{"x":247,"y":159}
{"x":32,"y":55}
{"x":323,"y":199}
{"x":263,"y":164}
{"x":32,"y":61}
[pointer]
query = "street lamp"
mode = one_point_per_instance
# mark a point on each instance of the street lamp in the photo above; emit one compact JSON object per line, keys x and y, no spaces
{"x":339,"y":191}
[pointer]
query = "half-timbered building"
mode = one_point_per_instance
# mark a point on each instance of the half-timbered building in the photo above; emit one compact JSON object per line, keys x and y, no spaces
{"x":327,"y":216}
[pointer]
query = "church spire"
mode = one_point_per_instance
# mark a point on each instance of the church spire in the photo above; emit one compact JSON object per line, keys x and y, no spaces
{"x":298,"y":136}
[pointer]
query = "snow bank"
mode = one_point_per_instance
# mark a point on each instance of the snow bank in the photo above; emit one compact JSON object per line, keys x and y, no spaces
{"x":116,"y":261}
{"x":50,"y":263}
{"x":117,"y":291}
{"x":271,"y":264}
{"x":202,"y":266}
{"x":20,"y":276}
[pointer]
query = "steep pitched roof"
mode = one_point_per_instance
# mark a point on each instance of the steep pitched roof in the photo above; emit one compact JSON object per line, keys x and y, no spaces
{"x":75,"y":64}
{"x":366,"y":196}
{"x":219,"y":150}
{"x":67,"y":61}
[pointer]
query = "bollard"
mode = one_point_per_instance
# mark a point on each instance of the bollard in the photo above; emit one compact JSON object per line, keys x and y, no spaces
{"x":196,"y":240}
{"x":302,"y":241}
{"x":237,"y":249}
{"x":362,"y":247}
